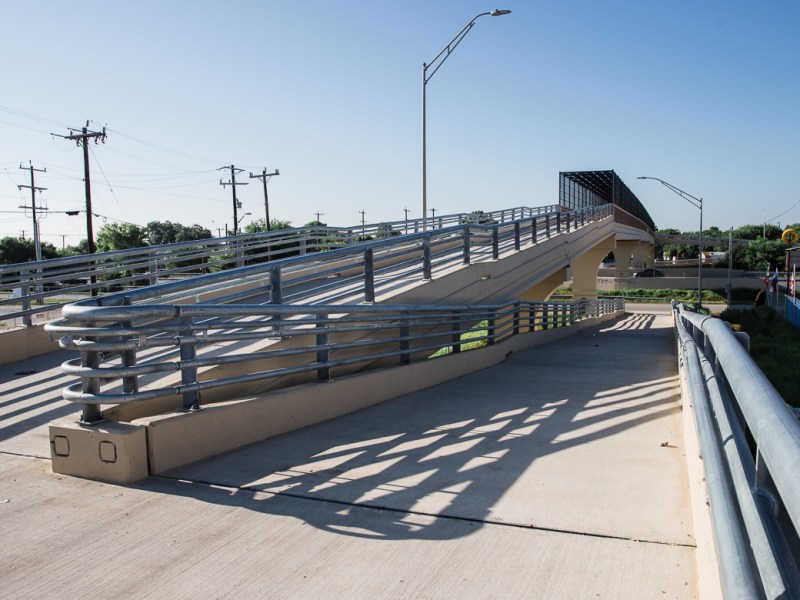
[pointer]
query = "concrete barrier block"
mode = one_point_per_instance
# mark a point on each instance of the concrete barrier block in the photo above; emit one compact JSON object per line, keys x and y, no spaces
{"x":110,"y":452}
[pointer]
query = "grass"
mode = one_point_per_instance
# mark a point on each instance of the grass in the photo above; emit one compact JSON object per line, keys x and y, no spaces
{"x":479,"y":331}
{"x":774,"y":346}
{"x":718,"y":296}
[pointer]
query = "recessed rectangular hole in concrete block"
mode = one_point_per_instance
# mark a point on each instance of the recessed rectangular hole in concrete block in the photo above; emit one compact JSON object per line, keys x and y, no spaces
{"x":108,"y":451}
{"x":60,"y":445}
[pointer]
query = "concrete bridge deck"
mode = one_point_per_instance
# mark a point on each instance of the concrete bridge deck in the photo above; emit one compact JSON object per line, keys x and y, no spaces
{"x":559,"y":473}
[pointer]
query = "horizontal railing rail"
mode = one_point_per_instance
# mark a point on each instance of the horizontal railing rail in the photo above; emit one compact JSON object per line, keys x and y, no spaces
{"x":123,"y":346}
{"x":754,"y":496}
{"x":360,"y":267}
{"x":27,"y":289}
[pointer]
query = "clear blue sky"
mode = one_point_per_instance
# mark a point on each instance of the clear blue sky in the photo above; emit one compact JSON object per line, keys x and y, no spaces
{"x":702,"y":94}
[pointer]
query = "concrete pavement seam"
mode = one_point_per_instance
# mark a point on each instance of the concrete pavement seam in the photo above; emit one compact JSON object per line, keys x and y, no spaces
{"x":425,"y":514}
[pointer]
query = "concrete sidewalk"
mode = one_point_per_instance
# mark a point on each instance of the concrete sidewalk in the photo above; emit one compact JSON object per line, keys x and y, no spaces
{"x":559,"y":473}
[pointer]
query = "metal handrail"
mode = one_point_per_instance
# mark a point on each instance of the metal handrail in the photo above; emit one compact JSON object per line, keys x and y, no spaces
{"x":57,"y":282}
{"x":755,"y":502}
{"x":393,"y":258}
{"x":335,"y":275}
{"x":121,"y":346}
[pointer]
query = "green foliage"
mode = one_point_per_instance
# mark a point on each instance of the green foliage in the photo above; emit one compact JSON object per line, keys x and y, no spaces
{"x":754,"y":232}
{"x":16,"y":250}
{"x":760,"y":255}
{"x":120,"y":236}
{"x":477,"y":333}
{"x":738,"y":295}
{"x":260,"y":225}
{"x":774,"y":346}
{"x":167,"y":232}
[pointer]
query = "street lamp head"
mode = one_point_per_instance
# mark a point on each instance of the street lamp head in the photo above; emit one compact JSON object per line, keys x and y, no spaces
{"x":499,"y":12}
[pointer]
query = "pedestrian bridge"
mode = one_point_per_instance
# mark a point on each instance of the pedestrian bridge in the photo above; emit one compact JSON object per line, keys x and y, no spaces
{"x":561,"y":459}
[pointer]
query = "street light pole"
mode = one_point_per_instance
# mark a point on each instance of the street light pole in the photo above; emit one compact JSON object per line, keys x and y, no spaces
{"x":435,"y":64}
{"x":697,"y":203}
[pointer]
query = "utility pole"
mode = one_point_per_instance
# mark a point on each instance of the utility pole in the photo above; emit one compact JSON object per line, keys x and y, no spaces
{"x":405,"y":210}
{"x":233,"y":185}
{"x":37,"y":243}
{"x":363,"y":213}
{"x":264,"y":177}
{"x":82,"y":139}
{"x":318,"y":215}
{"x":433,"y":213}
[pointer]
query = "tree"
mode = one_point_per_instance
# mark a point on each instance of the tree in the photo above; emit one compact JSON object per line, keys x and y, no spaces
{"x":167,"y":232}
{"x":120,"y":236}
{"x":760,"y":255}
{"x":259,"y":225}
{"x":753,"y":232}
{"x":16,"y":250}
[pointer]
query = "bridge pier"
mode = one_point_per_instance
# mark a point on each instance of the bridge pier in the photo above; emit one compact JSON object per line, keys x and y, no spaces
{"x":641,"y":254}
{"x":545,"y":288}
{"x":585,"y":267}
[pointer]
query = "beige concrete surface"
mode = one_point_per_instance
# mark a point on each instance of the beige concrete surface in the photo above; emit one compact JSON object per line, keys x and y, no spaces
{"x":558,"y":473}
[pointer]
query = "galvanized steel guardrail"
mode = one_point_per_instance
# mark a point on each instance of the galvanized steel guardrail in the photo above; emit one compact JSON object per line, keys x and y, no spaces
{"x":754,"y":500}
{"x":122,"y":346}
{"x":322,"y":278}
{"x":27,"y":289}
{"x":340,"y":273}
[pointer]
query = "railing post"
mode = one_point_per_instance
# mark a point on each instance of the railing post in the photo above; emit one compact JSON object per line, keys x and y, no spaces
{"x":547,"y":225}
{"x":130,"y":383}
{"x":517,"y":311}
{"x":239,"y":254}
{"x":534,"y":232}
{"x":25,"y":290}
{"x":323,"y":372}
{"x":491,"y":328}
{"x":516,"y":236}
{"x":188,"y":349}
{"x":152,"y":269}
{"x":90,"y":413}
{"x":455,"y":327}
{"x":495,"y":242}
{"x":369,"y":276}
{"x":566,"y":216}
{"x":275,"y":292}
{"x":426,"y":256}
{"x":558,"y":222}
{"x":303,"y":246}
{"x":466,"y":243}
{"x":405,"y":342}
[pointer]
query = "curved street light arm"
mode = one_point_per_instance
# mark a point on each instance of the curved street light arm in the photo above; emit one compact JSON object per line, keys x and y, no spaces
{"x":696,"y":202}
{"x":448,"y":49}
